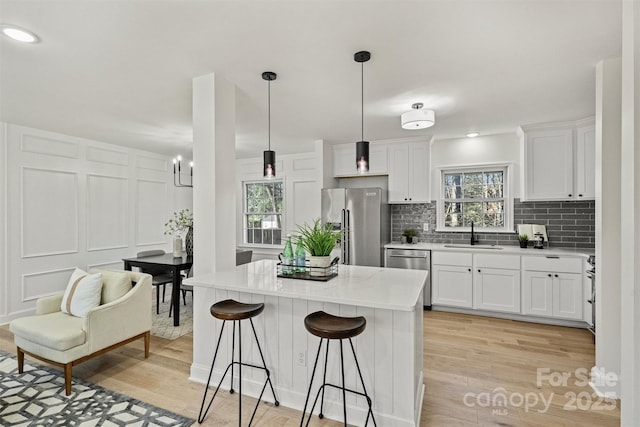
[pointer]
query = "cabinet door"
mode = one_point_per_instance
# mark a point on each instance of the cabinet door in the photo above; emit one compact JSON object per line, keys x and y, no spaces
{"x":586,"y":162}
{"x":567,"y":295}
{"x":496,"y":289}
{"x":418,"y":184}
{"x":452,"y":286}
{"x":344,"y":160}
{"x":398,"y":173}
{"x":377,"y":159}
{"x":537,"y":293}
{"x":549,"y":165}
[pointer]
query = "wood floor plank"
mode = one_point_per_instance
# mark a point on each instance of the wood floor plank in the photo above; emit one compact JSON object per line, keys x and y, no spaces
{"x":466,"y":358}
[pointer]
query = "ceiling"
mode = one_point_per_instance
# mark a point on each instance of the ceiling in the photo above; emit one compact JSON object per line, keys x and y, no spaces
{"x":120,"y":71}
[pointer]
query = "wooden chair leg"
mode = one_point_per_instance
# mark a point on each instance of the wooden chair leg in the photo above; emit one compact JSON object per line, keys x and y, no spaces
{"x":20,"y":360}
{"x":67,"y":378}
{"x":147,"y":341}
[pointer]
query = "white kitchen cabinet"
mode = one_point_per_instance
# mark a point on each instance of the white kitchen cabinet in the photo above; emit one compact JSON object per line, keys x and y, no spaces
{"x":559,"y":163}
{"x":452,"y":279}
{"x":344,"y":160}
{"x":552,"y":287}
{"x":409,"y":172}
{"x":496,"y":289}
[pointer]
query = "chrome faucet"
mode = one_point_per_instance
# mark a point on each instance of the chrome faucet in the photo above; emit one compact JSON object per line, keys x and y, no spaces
{"x":473,"y":237}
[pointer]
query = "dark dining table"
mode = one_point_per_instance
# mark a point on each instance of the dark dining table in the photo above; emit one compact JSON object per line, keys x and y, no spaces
{"x":170,"y":263}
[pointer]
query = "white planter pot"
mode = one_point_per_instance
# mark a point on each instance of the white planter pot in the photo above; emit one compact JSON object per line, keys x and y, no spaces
{"x":319,"y":261}
{"x":177,"y":247}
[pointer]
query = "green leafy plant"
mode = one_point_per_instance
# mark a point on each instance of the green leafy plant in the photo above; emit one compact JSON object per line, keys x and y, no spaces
{"x":409,"y":232}
{"x":179,"y":222}
{"x":523,"y":238}
{"x":318,"y":239}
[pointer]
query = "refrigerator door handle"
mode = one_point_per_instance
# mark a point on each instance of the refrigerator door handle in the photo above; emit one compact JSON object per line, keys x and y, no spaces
{"x":347,"y":236}
{"x":343,"y":238}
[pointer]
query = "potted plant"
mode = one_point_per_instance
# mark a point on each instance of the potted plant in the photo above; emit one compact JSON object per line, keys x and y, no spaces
{"x":180,"y":222}
{"x":318,"y":241}
{"x":409,"y":233}
{"x":524,"y":240}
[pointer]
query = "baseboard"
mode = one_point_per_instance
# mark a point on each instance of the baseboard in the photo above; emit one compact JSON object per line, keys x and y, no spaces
{"x":514,"y":316}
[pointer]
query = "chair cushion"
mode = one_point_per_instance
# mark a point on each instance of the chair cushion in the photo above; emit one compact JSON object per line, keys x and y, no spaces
{"x":115,"y":284}
{"x":82,"y":294}
{"x":58,"y":331}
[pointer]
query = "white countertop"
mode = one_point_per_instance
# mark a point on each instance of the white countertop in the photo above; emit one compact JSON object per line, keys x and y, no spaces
{"x":506,"y":249}
{"x":374,"y":287}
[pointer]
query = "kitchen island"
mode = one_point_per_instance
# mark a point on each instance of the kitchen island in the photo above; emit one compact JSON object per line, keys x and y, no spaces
{"x":389,"y":350}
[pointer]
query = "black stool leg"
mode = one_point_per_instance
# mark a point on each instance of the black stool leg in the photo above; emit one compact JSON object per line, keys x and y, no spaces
{"x":239,"y":374}
{"x":344,"y":386}
{"x":206,"y":390}
{"x":313,"y":373}
{"x":364,"y":389}
{"x":233,"y":353}
{"x":276,"y":402}
{"x":324,"y":380}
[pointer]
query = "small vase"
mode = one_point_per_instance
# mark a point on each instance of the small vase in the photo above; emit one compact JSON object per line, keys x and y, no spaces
{"x":409,"y":239}
{"x":318,"y":265}
{"x":188,"y":242}
{"x":524,"y":243}
{"x":177,"y":247}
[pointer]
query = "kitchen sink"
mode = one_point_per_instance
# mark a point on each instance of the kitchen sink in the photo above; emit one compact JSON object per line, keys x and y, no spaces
{"x":467,"y":246}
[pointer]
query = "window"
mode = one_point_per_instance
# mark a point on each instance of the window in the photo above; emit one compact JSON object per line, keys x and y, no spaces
{"x":475,"y":194}
{"x":263,"y":212}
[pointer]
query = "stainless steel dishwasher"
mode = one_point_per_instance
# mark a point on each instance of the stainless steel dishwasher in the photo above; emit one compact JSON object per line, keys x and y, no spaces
{"x":412,"y":259}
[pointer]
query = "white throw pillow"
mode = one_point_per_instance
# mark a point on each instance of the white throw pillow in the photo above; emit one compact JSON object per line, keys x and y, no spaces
{"x":82,"y":294}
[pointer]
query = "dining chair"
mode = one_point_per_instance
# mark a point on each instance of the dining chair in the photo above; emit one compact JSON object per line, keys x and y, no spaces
{"x":160,"y":276}
{"x":184,"y":288}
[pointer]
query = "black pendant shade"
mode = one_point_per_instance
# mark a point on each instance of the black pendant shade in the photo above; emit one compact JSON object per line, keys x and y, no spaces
{"x":362,"y":146}
{"x":269,"y":163}
{"x":269,"y":156}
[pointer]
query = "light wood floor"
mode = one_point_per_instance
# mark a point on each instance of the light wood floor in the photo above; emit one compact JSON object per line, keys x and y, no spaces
{"x":464,"y":357}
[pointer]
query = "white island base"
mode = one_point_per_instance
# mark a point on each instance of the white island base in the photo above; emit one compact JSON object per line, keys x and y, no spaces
{"x":389,"y":350}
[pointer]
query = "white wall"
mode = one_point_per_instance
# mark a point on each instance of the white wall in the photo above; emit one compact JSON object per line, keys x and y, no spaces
{"x":75,"y":202}
{"x":500,"y":148}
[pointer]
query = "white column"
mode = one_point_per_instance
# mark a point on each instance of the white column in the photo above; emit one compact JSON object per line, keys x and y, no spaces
{"x":214,"y":197}
{"x":630,"y":215}
{"x":608,"y":203}
{"x":4,"y":304}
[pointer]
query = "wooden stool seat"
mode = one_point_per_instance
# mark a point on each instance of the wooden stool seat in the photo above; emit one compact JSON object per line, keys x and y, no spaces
{"x":234,"y":310}
{"x":325,"y":325}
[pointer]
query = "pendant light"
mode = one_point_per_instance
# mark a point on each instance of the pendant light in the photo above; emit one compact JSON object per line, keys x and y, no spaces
{"x":362,"y":146}
{"x":269,"y":156}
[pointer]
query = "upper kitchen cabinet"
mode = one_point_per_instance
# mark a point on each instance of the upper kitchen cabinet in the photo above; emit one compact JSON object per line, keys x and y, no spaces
{"x":409,"y":172}
{"x":559,"y":161}
{"x":344,"y":160}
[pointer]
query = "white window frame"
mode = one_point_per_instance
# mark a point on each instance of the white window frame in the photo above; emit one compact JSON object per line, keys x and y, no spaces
{"x":245,"y":243}
{"x":507,"y":192}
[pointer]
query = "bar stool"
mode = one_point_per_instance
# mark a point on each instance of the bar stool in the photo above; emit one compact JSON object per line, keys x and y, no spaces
{"x":236,"y":311}
{"x":329,"y":327}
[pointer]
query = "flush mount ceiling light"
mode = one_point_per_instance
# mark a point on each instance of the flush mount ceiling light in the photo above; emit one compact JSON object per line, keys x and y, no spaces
{"x":18,"y":34}
{"x":418,"y":118}
{"x":472,"y":134}
{"x":269,"y":157}
{"x":362,"y":146}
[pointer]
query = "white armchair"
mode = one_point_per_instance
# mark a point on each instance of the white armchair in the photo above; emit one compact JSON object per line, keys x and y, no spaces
{"x":66,"y":341}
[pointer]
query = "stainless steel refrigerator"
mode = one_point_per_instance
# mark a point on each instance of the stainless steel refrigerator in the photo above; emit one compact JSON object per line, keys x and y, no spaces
{"x":364,"y":215}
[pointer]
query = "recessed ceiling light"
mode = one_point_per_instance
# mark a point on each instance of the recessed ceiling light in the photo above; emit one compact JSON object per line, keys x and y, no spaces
{"x":472,"y":134}
{"x":19,"y":34}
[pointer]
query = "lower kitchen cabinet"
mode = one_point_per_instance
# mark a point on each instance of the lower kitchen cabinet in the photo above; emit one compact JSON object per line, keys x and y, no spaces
{"x":496,"y":289}
{"x":451,"y":285}
{"x":552,"y":294}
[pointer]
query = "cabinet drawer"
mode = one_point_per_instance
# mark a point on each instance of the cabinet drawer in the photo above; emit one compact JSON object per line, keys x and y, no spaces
{"x":511,"y":262}
{"x":463,"y":259}
{"x":552,"y":263}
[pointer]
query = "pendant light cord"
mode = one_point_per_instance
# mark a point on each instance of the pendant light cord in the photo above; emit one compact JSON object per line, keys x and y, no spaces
{"x":362,"y":101}
{"x":269,"y":114}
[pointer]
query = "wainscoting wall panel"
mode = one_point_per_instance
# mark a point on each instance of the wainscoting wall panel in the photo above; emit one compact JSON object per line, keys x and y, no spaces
{"x":49,"y":212}
{"x":74,"y":202}
{"x":44,"y":283}
{"x":107,"y":212}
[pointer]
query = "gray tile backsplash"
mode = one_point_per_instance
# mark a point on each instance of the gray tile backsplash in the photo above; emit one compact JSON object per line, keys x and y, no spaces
{"x":569,"y":224}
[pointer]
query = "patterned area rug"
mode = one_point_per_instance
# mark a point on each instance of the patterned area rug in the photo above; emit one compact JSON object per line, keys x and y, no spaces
{"x":162,"y":324}
{"x":36,"y":398}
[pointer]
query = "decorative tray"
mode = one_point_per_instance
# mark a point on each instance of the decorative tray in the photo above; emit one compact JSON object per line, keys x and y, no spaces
{"x":320,"y":274}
